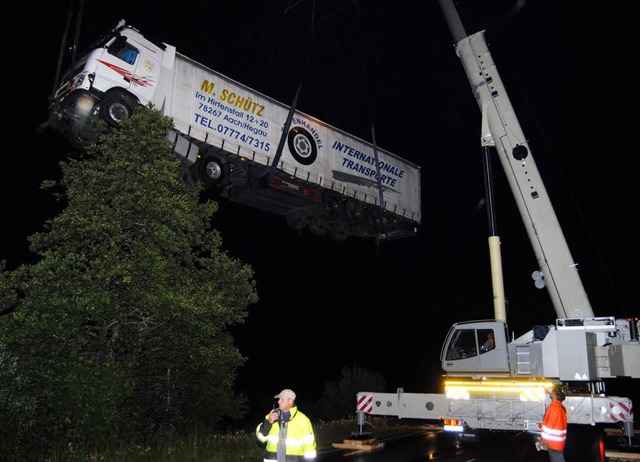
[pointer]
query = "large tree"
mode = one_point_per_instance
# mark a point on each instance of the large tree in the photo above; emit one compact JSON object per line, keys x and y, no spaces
{"x":122,"y":326}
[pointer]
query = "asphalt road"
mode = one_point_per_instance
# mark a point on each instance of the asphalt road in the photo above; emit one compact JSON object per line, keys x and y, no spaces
{"x":432,"y":445}
{"x":582,"y":446}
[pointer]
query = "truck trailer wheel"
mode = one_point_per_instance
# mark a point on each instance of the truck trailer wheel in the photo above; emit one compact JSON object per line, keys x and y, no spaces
{"x":339,"y":230}
{"x":355,"y":211}
{"x":318,"y":224}
{"x":298,"y":219}
{"x":374,"y":219}
{"x":211,"y":171}
{"x":333,"y":206}
{"x":116,"y":107}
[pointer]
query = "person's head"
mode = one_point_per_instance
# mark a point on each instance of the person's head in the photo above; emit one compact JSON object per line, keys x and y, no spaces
{"x":557,"y":393}
{"x":286,"y":399}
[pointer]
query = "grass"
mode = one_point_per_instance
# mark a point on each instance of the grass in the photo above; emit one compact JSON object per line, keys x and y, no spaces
{"x":239,"y":446}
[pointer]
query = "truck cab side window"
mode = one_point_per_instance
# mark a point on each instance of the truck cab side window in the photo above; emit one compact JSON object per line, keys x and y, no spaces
{"x":463,"y":345}
{"x":120,"y":48}
{"x":486,"y":340}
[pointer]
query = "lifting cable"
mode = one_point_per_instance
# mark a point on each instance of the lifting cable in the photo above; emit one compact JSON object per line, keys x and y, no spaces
{"x":370,"y":108}
{"x":285,"y":131}
{"x":63,"y":44}
{"x":294,"y":103}
{"x":292,"y":109}
{"x":275,"y":44}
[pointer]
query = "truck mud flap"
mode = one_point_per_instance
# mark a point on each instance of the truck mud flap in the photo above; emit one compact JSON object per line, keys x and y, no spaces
{"x":183,"y":147}
{"x":461,"y":433}
{"x":468,"y":436}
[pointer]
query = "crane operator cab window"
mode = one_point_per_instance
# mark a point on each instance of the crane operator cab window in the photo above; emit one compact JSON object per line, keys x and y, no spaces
{"x":489,"y":342}
{"x":120,"y":48}
{"x":466,"y":343}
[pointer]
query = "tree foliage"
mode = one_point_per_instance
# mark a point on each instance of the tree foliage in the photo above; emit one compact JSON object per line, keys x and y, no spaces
{"x":338,"y":399}
{"x":122,"y":326}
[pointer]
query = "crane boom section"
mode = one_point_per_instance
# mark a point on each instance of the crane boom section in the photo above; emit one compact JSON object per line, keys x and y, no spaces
{"x":501,"y":129}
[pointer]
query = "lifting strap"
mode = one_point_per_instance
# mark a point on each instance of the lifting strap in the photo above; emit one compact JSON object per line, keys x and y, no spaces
{"x":294,"y":103}
{"x":63,"y":44}
{"x":369,"y":106}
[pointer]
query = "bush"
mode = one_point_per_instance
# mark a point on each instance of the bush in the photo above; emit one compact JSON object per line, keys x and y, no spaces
{"x":338,"y":399}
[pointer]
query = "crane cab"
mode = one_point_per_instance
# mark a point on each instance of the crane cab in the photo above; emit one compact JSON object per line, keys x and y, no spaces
{"x":476,"y":348}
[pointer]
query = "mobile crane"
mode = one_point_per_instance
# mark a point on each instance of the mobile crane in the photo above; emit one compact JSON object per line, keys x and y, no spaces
{"x":503,"y":387}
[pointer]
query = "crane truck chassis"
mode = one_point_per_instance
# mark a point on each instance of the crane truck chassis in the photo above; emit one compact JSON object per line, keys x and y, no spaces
{"x":505,"y":388}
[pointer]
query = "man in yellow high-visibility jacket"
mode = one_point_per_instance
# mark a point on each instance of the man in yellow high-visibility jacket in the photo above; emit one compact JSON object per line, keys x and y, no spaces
{"x":287,"y":432}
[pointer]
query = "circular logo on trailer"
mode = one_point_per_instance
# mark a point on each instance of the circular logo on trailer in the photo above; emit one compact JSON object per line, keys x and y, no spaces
{"x":302,"y":146}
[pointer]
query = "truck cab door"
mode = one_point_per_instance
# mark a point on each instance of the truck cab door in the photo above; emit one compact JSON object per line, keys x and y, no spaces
{"x":130,"y":65}
{"x":116,"y":65}
{"x":466,"y":351}
{"x":493,"y":357}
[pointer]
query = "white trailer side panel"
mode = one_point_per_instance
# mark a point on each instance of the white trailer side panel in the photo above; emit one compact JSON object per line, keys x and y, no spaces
{"x":213,"y":108}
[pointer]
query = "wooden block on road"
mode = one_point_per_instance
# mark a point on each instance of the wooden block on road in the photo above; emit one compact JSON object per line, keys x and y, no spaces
{"x":359,"y":446}
{"x":618,"y":455}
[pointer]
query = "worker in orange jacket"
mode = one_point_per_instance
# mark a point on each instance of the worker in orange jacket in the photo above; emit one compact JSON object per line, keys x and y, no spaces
{"x":554,"y":426}
{"x":489,"y":344}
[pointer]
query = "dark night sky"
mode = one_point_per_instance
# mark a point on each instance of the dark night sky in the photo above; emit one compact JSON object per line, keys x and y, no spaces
{"x":385,"y":308}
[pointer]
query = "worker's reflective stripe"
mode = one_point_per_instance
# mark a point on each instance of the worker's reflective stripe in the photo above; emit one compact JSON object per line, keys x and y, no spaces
{"x":272,"y":439}
{"x":551,"y":434}
{"x":307,"y":439}
{"x":289,"y":442}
